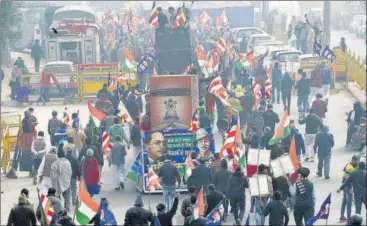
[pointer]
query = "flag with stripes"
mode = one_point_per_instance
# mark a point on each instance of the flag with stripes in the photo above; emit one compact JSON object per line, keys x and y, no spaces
{"x":106,"y":142}
{"x":195,"y":122}
{"x":128,"y":61}
{"x":180,"y":19}
{"x":221,"y":45}
{"x":223,"y":19}
{"x":96,"y":115}
{"x":87,"y":208}
{"x":153,"y":180}
{"x":283,"y":129}
{"x":153,"y":18}
{"x":217,"y":89}
{"x":66,"y":118}
{"x":46,"y":207}
{"x":230,"y":139}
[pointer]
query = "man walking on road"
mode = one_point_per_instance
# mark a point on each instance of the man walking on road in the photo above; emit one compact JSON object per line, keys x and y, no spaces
{"x":324,"y":142}
{"x":118,"y":154}
{"x":169,"y":174}
{"x":36,"y":54}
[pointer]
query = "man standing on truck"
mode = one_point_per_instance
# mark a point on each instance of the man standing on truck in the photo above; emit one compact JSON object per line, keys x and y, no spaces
{"x":36,"y":54}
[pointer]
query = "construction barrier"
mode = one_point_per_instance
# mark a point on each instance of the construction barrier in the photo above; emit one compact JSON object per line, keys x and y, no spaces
{"x":10,"y":125}
{"x":78,"y":82}
{"x":356,"y":70}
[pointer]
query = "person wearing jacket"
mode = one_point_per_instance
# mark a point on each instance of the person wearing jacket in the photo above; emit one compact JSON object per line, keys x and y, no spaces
{"x":165,"y":218}
{"x":257,"y":122}
{"x":270,"y":118}
{"x":108,"y":121}
{"x":61,"y":176}
{"x":313,"y":125}
{"x":316,"y":82}
{"x":169,"y":175}
{"x":236,"y":193}
{"x":118,"y":130}
{"x":324,"y":142}
{"x":320,"y":106}
{"x":36,"y":54}
{"x":132,"y":106}
{"x":303,"y":192}
{"x":276,"y":77}
{"x":39,"y":149}
{"x":22,"y":214}
{"x":44,"y":170}
{"x":347,"y":191}
{"x":94,"y":144}
{"x":204,"y":119}
{"x":213,"y":198}
{"x":89,"y":170}
{"x":326,"y":80}
{"x":287,"y":84}
{"x":300,"y":144}
{"x":60,"y":135}
{"x":354,"y":119}
{"x":70,"y":145}
{"x":135,"y":136}
{"x":358,"y":181}
{"x":137,"y":215}
{"x":117,"y":156}
{"x":303,"y":91}
{"x":277,"y":210}
{"x":54,"y":124}
{"x":74,"y":175}
{"x":201,"y":176}
{"x":188,"y":201}
{"x":221,"y":177}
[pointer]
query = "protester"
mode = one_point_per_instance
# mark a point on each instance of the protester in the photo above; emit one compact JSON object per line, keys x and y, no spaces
{"x":300,"y":144}
{"x":358,"y":180}
{"x":303,"y":91}
{"x":71,"y":146}
{"x":313,"y":125}
{"x":326,"y":80}
{"x":118,"y":130}
{"x":137,"y":215}
{"x":14,"y":81}
{"x":25,"y":192}
{"x":27,"y":123}
{"x":44,"y":169}
{"x":213,"y":198}
{"x":277,"y":211}
{"x":304,"y":193}
{"x":54,"y":124}
{"x":61,"y":173}
{"x":324,"y":142}
{"x":215,"y":165}
{"x":237,"y":184}
{"x":135,"y":137}
{"x":189,"y":201}
{"x":221,"y":177}
{"x":260,"y":202}
{"x":276,"y":78}
{"x":347,"y":191}
{"x":169,"y":175}
{"x":22,"y":214}
{"x":89,"y":170}
{"x":78,"y":136}
{"x":117,"y":155}
{"x":74,"y":175}
{"x":165,"y":218}
{"x":55,"y":204}
{"x":38,"y":149}
{"x":270,"y":118}
{"x":320,"y":106}
{"x":286,"y":85}
{"x":36,"y":54}
{"x":201,"y":176}
{"x":354,"y":118}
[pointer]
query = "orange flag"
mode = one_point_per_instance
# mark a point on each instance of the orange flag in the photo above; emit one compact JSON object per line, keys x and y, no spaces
{"x":293,"y":154}
{"x":199,"y":210}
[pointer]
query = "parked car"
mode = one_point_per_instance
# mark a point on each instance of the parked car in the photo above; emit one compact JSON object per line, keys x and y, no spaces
{"x":257,"y":37}
{"x":241,"y":33}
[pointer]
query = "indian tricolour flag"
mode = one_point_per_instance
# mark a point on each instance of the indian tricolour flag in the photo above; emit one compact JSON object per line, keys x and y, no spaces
{"x":96,"y":115}
{"x":283,"y":130}
{"x":128,"y":62}
{"x":87,"y":208}
{"x":189,"y":166}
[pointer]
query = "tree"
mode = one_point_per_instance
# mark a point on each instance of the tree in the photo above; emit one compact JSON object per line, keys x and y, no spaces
{"x":10,"y":19}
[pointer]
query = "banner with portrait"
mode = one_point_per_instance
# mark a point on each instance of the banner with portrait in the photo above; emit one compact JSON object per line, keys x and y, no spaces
{"x":175,"y":143}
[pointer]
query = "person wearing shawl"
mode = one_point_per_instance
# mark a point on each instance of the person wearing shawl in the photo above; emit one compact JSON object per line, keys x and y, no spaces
{"x":14,"y":81}
{"x":89,"y":170}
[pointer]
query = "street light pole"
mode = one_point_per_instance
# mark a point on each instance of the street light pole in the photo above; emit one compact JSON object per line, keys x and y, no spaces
{"x":265,"y":10}
{"x":327,"y":12}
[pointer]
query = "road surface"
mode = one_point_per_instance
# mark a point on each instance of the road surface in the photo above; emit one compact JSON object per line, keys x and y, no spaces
{"x":120,"y":201}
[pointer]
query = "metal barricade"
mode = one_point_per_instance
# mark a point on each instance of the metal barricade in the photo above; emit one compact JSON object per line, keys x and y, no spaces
{"x":356,"y":70}
{"x":93,"y":76}
{"x":10,"y":125}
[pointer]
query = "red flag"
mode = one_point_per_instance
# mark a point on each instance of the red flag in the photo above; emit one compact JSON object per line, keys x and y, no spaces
{"x":293,"y":153}
{"x":199,"y":210}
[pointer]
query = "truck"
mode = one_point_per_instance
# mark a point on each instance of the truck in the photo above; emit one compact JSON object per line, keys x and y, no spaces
{"x":70,"y":33}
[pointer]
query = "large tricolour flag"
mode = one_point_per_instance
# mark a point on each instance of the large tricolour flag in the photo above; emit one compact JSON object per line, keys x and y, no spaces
{"x":129,"y":59}
{"x":66,"y":118}
{"x":283,"y":130}
{"x":217,"y":89}
{"x":87,"y":208}
{"x":96,"y":115}
{"x":189,"y":165}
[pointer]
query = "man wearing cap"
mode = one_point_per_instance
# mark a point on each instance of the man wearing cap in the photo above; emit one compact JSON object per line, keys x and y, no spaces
{"x":203,"y":143}
{"x":22,"y":214}
{"x":137,"y":215}
{"x":303,"y":192}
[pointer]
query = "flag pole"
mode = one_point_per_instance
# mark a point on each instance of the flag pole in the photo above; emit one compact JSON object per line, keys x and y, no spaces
{"x":76,"y":207}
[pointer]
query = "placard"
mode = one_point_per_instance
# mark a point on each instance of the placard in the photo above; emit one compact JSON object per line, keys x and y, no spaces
{"x":259,"y":185}
{"x":254,"y":186}
{"x":282,"y":166}
{"x":256,"y":157}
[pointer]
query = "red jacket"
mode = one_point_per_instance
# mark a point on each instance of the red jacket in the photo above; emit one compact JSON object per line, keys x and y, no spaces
{"x":320,"y":107}
{"x":90,"y":171}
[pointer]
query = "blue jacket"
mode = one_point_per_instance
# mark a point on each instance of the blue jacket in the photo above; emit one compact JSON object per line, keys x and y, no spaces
{"x":324,"y":141}
{"x":276,"y":76}
{"x":300,"y":144}
{"x":326,"y":76}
